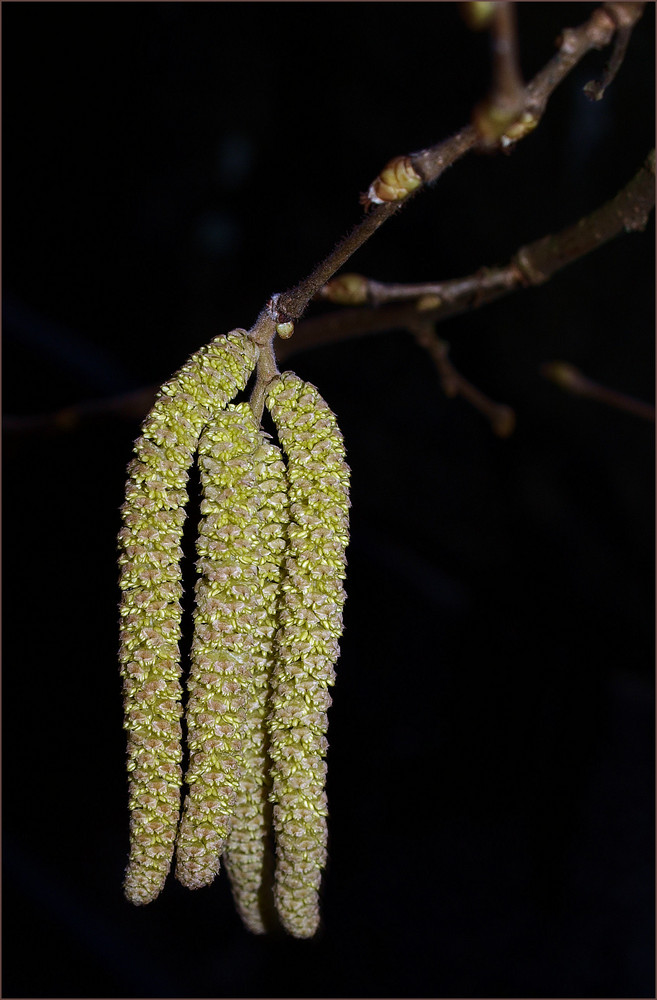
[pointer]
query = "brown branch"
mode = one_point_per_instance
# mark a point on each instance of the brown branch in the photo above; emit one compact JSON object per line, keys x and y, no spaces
{"x":263,"y":333}
{"x":292,"y":304}
{"x":573,"y":44}
{"x":502,"y":418}
{"x":129,"y":406}
{"x":508,"y":88}
{"x":532,"y":264}
{"x":429,"y":163}
{"x":626,"y":16}
{"x":506,"y":100}
{"x":570,"y":378}
{"x":627,"y":212}
{"x":356,"y":289}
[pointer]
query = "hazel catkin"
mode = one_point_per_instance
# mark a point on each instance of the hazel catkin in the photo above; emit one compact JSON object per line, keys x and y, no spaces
{"x":248,"y":856}
{"x":228,"y":614}
{"x":306,"y":644}
{"x":268,"y":616}
{"x":153,"y":516}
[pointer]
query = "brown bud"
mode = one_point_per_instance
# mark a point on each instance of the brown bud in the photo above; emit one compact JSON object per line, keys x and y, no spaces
{"x":395,"y":182}
{"x":477,"y":15}
{"x":346,"y":290}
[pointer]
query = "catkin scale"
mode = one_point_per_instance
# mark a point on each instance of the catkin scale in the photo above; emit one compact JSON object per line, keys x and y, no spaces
{"x":150,"y":579}
{"x":306,"y":644}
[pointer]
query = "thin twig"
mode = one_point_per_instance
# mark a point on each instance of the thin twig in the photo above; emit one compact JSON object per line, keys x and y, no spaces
{"x":292,"y":304}
{"x":507,"y":82}
{"x":570,"y":378}
{"x":356,"y":289}
{"x":507,"y":97}
{"x":262,"y":333}
{"x":626,"y":18}
{"x":502,"y":418}
{"x":127,"y":405}
{"x":628,"y":211}
{"x":533,"y":264}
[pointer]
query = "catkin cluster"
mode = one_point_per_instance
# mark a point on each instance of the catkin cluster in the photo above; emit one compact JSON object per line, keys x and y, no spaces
{"x":270,"y":550}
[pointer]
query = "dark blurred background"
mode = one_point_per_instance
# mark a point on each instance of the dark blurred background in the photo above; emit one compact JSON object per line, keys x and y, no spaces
{"x":167,"y":167}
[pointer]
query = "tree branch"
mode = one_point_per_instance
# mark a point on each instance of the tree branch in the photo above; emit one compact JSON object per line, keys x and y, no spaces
{"x":532,"y":264}
{"x":627,"y":212}
{"x":506,"y":101}
{"x":263,"y":333}
{"x":427,"y":165}
{"x":434,"y":301}
{"x":508,"y":87}
{"x":626,"y":16}
{"x":572,"y":380}
{"x":501,"y":417}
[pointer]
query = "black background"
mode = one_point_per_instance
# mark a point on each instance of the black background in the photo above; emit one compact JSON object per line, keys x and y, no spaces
{"x":167,"y":167}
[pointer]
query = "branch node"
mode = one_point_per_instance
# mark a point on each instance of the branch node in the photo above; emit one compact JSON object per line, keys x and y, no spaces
{"x":567,"y":42}
{"x":529,"y":274}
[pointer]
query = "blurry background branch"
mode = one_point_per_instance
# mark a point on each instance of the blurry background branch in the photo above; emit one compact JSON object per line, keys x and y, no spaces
{"x":507,"y":98}
{"x":501,"y":417}
{"x":626,"y":16}
{"x":568,"y":377}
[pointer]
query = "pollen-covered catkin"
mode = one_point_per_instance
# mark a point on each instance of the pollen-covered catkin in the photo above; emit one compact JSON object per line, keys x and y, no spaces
{"x":248,"y":852}
{"x":310,"y":624}
{"x":228,"y":617}
{"x":153,"y":516}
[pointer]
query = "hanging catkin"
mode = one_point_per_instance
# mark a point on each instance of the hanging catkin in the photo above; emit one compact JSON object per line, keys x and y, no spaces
{"x":268,"y":616}
{"x":153,"y":516}
{"x":306,"y":645}
{"x":228,"y":615}
{"x":248,"y":852}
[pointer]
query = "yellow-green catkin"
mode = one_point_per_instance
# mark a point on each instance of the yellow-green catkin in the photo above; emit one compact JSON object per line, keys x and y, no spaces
{"x":248,"y":852}
{"x":310,"y":625}
{"x":228,"y":618}
{"x":153,"y":516}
